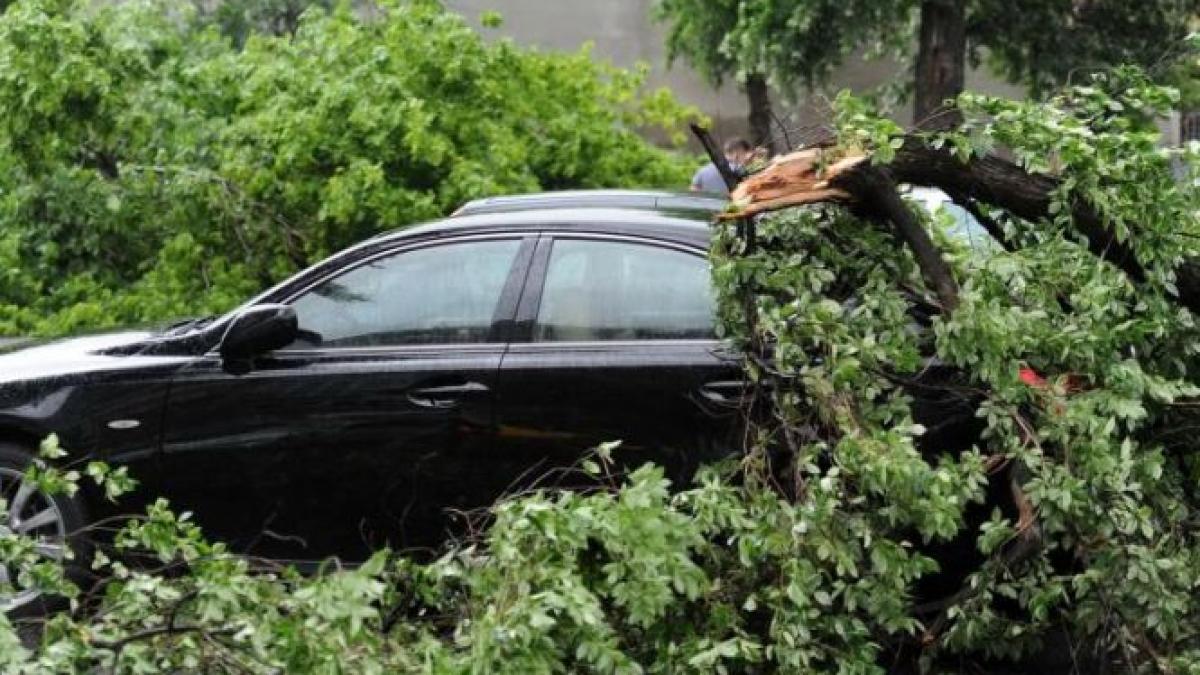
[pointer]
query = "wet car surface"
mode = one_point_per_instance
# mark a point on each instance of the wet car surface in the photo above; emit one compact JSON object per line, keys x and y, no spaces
{"x":369,"y":399}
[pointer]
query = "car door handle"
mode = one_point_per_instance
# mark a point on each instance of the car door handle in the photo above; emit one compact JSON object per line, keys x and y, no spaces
{"x":446,"y":396}
{"x":725,"y":392}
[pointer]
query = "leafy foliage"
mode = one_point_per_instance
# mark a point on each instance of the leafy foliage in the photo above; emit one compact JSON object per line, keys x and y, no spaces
{"x":1095,"y":448}
{"x":238,"y":19}
{"x":798,"y":43}
{"x":697,"y":31}
{"x":849,"y":538}
{"x":1041,"y":44}
{"x":150,"y":170}
{"x":1087,"y":37}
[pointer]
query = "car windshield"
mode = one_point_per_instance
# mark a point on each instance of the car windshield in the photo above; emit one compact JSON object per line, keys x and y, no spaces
{"x":957,"y":223}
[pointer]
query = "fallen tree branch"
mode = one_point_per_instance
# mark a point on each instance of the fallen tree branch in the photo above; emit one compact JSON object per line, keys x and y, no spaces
{"x":794,"y":179}
{"x":990,"y":180}
{"x":829,"y":175}
{"x":875,"y":192}
{"x":824,"y":175}
{"x":999,"y":182}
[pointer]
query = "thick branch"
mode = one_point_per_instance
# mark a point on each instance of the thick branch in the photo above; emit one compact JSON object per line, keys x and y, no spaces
{"x":991,"y":180}
{"x":822,"y":175}
{"x":875,"y":192}
{"x":1002,"y":183}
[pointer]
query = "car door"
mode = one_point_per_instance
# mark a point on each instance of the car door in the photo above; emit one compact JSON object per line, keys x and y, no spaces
{"x":615,"y":341}
{"x":355,"y":435}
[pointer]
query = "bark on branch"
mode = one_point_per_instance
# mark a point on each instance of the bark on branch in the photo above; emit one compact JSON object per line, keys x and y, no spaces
{"x":875,"y":192}
{"x":825,"y":175}
{"x":999,"y":182}
{"x":991,"y":180}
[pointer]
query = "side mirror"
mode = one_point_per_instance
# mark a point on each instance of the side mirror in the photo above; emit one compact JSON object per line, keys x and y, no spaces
{"x":258,"y":330}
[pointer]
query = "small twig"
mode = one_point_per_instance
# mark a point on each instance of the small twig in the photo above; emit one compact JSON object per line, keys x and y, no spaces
{"x":787,"y":138}
{"x":174,"y":613}
{"x":117,"y":646}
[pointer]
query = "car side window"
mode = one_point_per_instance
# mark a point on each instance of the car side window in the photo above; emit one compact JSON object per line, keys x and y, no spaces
{"x":608,"y":290}
{"x":443,"y":294}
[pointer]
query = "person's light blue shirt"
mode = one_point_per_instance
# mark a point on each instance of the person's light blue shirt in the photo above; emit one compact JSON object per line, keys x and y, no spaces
{"x":708,"y":179}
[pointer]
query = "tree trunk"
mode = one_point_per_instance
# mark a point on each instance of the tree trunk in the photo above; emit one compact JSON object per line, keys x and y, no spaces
{"x":941,"y":63}
{"x":760,"y":113}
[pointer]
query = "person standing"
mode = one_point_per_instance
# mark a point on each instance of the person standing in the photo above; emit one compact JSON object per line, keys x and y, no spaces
{"x":738,"y":152}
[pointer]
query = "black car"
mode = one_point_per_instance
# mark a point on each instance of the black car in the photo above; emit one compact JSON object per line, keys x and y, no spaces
{"x":365,"y":400}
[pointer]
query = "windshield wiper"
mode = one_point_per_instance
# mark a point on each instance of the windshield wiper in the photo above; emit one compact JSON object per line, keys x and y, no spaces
{"x":181,"y":327}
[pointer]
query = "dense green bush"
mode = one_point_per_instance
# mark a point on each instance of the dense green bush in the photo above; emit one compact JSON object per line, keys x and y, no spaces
{"x":149,"y":169}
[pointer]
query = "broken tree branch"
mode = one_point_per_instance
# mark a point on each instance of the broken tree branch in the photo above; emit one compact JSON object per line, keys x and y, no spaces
{"x":828,"y":175}
{"x":794,"y":179}
{"x":990,"y":180}
{"x":876,"y":193}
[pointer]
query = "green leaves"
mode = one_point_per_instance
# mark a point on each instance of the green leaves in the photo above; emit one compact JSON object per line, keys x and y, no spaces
{"x":1093,"y":447}
{"x":193,"y":171}
{"x":149,"y":169}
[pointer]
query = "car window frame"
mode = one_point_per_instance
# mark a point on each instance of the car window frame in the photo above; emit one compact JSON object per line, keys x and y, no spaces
{"x":500,"y":329}
{"x":531,"y":297}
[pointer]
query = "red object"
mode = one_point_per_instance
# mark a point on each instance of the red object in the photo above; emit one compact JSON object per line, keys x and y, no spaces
{"x":1030,"y":377}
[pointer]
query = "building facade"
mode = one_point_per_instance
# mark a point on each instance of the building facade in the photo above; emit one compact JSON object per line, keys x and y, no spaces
{"x":625,"y":33}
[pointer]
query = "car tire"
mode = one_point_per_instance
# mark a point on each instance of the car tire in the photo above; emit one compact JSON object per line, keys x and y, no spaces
{"x":61,"y":519}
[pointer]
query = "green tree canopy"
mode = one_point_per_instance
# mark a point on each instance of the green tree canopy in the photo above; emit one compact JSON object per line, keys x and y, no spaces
{"x":699,"y":32}
{"x":1040,"y":44}
{"x":1044,"y":44}
{"x":148,"y":169}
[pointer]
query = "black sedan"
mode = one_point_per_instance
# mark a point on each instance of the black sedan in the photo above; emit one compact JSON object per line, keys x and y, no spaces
{"x":368,"y":399}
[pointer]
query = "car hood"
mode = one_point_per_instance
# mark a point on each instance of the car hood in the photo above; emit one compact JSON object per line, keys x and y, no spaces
{"x":25,"y":360}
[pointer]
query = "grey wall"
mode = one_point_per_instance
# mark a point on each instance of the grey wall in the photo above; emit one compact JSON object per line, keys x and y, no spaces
{"x":624,"y":33}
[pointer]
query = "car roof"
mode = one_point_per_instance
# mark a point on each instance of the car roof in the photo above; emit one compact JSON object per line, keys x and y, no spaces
{"x":652,"y":200}
{"x":682,"y":228}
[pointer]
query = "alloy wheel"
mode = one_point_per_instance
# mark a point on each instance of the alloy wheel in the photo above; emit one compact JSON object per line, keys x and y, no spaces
{"x":31,"y":513}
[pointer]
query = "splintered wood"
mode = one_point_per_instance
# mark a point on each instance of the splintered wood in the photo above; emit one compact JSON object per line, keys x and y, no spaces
{"x":794,"y":179}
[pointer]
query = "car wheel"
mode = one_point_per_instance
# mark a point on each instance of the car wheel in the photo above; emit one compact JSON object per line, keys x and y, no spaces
{"x":54,"y":521}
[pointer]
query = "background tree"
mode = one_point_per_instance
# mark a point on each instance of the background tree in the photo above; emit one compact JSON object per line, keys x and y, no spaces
{"x":799,"y":43}
{"x":1040,"y":44}
{"x":1043,"y":45}
{"x":698,"y":32}
{"x":237,"y":19}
